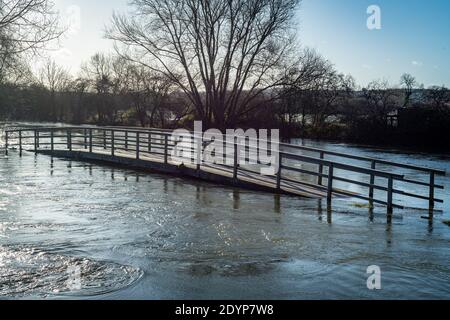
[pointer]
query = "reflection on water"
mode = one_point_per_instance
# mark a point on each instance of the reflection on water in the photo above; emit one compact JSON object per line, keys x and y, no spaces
{"x":139,"y":235}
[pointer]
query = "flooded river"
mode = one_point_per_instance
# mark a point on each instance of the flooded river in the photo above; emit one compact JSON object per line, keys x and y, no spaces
{"x":70,"y":229}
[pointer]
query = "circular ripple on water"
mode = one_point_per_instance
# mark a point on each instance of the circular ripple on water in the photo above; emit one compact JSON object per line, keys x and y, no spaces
{"x":29,"y":272}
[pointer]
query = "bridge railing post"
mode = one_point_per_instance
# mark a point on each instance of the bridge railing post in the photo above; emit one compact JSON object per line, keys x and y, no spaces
{"x":69,"y":139}
{"x":166,"y":149}
{"x":52,"y":140}
{"x":320,"y":178}
{"x":6,"y":142}
{"x":149,"y":142}
{"x":20,"y":143}
{"x":390,"y":195}
{"x":225,"y":149}
{"x":35,"y":141}
{"x":85,"y":139}
{"x":199,"y":150}
{"x":372,"y":180}
{"x":236,"y":161}
{"x":112,"y":143}
{"x":193,"y":149}
{"x":330,"y":182}
{"x":90,"y":140}
{"x":138,"y":142}
{"x":38,"y":140}
{"x":432,"y":186}
{"x":104,"y":139}
{"x":280,"y":167}
{"x":126,"y":140}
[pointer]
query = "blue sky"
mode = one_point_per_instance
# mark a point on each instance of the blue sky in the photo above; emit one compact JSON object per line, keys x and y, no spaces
{"x":414,"y":38}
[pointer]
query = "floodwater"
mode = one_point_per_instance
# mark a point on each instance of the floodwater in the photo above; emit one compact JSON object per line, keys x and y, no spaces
{"x":70,"y":230}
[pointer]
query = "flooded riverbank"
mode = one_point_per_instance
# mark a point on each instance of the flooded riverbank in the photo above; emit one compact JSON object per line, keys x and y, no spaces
{"x":134,"y":235}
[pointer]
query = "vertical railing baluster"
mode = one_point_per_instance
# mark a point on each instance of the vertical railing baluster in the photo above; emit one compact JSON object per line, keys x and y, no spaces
{"x":149,"y":142}
{"x":225,"y":149}
{"x":6,"y":142}
{"x":199,"y":149}
{"x":280,"y":167}
{"x":166,"y":149}
{"x":52,"y":140}
{"x":112,"y":143}
{"x":330,"y":182}
{"x":38,"y":141}
{"x":85,"y":139}
{"x":194,"y":149}
{"x":90,"y":140}
{"x":390,"y":195}
{"x":126,"y":140}
{"x":35,"y":142}
{"x":432,"y":185}
{"x":20,"y":143}
{"x":236,"y":162}
{"x":104,"y":139}
{"x":372,"y":180}
{"x":320,"y":179}
{"x":138,"y":142}
{"x":69,"y":135}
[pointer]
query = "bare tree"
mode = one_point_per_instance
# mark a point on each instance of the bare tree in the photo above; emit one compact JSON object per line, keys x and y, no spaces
{"x":100,"y":73}
{"x":56,"y":79}
{"x":25,"y":26}
{"x":408,"y":82}
{"x":315,"y":89}
{"x":223,"y":54}
{"x":79,"y":90}
{"x":381,"y":99}
{"x":299,"y":92}
{"x":438,"y":96}
{"x":14,"y":70}
{"x":147,"y":90}
{"x":332,"y":91}
{"x":53,"y":76}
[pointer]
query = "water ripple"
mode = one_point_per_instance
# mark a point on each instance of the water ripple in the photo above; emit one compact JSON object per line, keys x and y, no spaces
{"x":32,"y":272}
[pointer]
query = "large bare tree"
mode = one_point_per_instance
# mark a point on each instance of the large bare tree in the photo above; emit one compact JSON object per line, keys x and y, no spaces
{"x":408,"y":82}
{"x":25,"y":26}
{"x":223,"y":54}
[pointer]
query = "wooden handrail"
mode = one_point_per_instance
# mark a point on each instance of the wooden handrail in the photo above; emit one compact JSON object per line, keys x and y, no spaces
{"x":304,"y":148}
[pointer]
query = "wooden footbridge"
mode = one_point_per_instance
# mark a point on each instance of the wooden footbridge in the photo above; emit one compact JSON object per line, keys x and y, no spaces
{"x":315,"y":175}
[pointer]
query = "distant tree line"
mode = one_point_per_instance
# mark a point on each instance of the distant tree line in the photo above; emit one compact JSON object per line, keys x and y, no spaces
{"x":228,"y":63}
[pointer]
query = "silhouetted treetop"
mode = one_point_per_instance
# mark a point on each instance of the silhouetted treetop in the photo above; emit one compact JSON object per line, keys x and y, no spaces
{"x":223,"y":54}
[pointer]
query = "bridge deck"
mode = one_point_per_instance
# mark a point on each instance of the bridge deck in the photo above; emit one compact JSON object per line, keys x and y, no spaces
{"x":211,"y":173}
